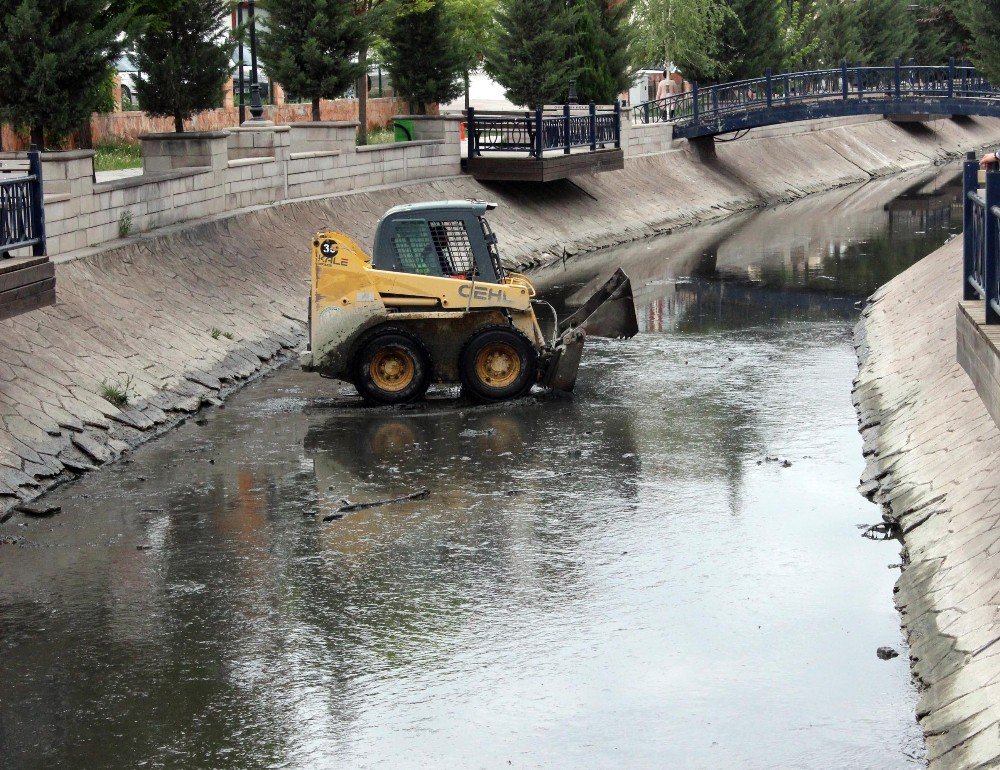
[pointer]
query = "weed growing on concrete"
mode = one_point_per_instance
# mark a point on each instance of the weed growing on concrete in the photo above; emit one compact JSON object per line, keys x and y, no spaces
{"x":216,"y":333}
{"x":117,"y":394}
{"x":228,"y":335}
{"x":125,"y":223}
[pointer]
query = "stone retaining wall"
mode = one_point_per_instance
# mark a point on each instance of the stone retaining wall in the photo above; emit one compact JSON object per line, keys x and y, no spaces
{"x":140,"y":316}
{"x":932,"y":450}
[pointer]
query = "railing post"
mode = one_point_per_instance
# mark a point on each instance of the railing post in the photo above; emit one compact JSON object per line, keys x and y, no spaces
{"x":895,"y":76}
{"x":970,"y":183}
{"x":843,"y":77}
{"x":788,"y":92}
{"x":618,"y":125}
{"x":694,"y":102}
{"x":951,"y":77}
{"x":990,"y":255}
{"x":859,"y":78}
{"x":645,"y":109}
{"x":566,"y":143}
{"x":539,"y":141}
{"x":37,"y":202}
{"x":767,"y":75}
{"x":470,"y":133}
{"x":593,"y":126}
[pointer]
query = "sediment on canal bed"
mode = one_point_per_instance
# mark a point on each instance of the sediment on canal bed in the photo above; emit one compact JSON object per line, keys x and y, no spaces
{"x":180,"y":317}
{"x":931,"y":450}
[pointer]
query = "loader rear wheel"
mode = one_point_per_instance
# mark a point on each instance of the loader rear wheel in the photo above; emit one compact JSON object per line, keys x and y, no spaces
{"x":392,"y":367}
{"x":498,"y":363}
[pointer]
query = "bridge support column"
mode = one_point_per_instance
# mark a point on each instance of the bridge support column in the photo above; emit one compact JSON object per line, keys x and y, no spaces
{"x":704,"y":147}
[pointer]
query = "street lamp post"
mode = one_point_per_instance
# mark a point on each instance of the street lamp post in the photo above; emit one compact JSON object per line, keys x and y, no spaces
{"x":239,"y":23}
{"x":256,"y":107}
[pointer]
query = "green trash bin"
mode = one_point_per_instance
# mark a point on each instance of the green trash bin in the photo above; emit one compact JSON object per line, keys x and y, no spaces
{"x":404,"y":130}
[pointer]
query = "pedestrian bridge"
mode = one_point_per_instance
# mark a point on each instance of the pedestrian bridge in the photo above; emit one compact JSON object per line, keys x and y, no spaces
{"x":902,"y":91}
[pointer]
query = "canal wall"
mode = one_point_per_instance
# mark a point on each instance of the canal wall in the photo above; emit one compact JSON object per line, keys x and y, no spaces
{"x":931,"y":449}
{"x":177,"y":318}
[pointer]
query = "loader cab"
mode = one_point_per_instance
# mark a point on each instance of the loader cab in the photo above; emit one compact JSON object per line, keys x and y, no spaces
{"x":450,"y":239}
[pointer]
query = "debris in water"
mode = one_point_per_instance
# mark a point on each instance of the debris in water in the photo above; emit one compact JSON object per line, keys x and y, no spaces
{"x":40,"y":510}
{"x":350,"y":507}
{"x":143,"y":547}
{"x":886,"y":653}
{"x":881,"y":531}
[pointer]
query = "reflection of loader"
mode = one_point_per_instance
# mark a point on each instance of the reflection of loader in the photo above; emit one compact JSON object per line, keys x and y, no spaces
{"x":435,"y":304}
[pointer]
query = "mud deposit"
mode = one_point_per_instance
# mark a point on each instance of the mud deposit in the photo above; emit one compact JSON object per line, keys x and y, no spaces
{"x":665,"y":571}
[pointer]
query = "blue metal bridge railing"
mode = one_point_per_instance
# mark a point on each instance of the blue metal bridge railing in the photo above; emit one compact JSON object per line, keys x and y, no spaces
{"x":778,"y":98}
{"x":538,"y":131}
{"x":981,"y":248}
{"x":22,"y":215}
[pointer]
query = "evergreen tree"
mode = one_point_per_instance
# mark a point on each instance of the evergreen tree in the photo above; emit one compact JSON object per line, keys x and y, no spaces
{"x":753,"y":41}
{"x":183,"y":59}
{"x":940,"y":32}
{"x":888,"y":31}
{"x":531,"y":55}
{"x":54,"y":60}
{"x":308,"y":45}
{"x":983,"y":20}
{"x":839,"y":28}
{"x":421,"y":54}
{"x":602,"y":44}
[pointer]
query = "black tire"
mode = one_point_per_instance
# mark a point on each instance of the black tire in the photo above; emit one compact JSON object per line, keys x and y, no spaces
{"x":391,"y":367}
{"x":474,"y":364}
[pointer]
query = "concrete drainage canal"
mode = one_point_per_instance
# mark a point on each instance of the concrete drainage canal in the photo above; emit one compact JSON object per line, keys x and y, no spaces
{"x":665,"y":571}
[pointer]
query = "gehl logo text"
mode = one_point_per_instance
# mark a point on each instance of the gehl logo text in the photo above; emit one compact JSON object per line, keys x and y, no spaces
{"x":482,"y":293}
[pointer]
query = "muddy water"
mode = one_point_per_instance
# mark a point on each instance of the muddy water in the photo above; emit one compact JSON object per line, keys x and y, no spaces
{"x":623,"y":579}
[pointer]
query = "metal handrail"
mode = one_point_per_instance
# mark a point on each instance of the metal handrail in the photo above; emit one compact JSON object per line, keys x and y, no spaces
{"x":22,"y":212}
{"x":706,"y":105}
{"x":981,"y":239}
{"x":538,"y":131}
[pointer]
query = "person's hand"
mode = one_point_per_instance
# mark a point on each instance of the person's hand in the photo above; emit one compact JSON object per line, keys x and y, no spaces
{"x":987,"y":159}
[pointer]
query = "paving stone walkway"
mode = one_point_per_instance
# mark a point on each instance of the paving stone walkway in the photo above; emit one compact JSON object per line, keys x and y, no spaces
{"x":933,"y":457}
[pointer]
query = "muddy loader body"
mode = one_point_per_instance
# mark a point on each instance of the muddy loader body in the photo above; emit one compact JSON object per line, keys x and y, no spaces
{"x":434,"y":304}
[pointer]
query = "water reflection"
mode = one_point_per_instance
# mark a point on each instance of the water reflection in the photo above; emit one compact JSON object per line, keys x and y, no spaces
{"x":833,"y":250}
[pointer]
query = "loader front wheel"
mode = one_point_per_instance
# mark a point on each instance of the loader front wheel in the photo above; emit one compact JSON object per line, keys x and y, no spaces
{"x":498,"y":363}
{"x":392,"y":367}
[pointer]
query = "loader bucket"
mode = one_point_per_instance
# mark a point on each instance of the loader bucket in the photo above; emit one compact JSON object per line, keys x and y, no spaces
{"x":610,"y":312}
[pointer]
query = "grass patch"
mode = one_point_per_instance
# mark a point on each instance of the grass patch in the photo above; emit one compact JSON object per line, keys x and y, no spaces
{"x":125,"y":223}
{"x":385,"y":135}
{"x":116,"y":156}
{"x":117,"y":394}
{"x":216,"y":333}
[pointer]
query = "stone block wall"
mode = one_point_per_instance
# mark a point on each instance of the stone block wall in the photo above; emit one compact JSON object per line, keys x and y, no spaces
{"x":194,"y":175}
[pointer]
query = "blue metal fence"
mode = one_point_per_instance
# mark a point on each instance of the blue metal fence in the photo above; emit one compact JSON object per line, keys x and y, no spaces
{"x":981,"y":273}
{"x":22,"y":214}
{"x":538,"y":131}
{"x":788,"y":96}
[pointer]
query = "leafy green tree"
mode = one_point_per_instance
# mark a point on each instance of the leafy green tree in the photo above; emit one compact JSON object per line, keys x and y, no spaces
{"x":839,"y":28}
{"x":602,"y":42}
{"x":531,"y":54}
{"x":983,"y":20}
{"x":308,"y":46}
{"x":800,"y":35}
{"x":753,"y":41}
{"x":421,"y":54}
{"x":54,"y":59}
{"x":473,"y":21}
{"x":681,"y":32}
{"x":888,"y":31}
{"x":183,"y":57}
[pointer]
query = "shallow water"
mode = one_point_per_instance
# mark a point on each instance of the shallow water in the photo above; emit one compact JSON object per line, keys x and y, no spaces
{"x":622,"y":579}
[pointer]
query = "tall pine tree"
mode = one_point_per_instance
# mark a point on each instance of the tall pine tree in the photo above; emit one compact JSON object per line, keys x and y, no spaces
{"x":421,"y":54}
{"x":602,"y":42}
{"x":54,"y":60}
{"x":888,"y":30}
{"x":532,"y":51}
{"x":839,"y":27}
{"x":752,"y":41}
{"x":183,"y":59}
{"x":983,"y":20}
{"x":308,"y":46}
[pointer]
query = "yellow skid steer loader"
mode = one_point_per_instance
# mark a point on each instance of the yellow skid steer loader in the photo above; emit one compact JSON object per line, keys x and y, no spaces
{"x":434,"y":304}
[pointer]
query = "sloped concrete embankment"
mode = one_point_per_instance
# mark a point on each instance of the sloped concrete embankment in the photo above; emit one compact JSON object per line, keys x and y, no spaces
{"x":141,"y":314}
{"x":932,"y":461}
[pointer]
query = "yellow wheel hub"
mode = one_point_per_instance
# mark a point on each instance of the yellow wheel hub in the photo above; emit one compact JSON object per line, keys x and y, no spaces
{"x":498,"y":364}
{"x":392,"y":369}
